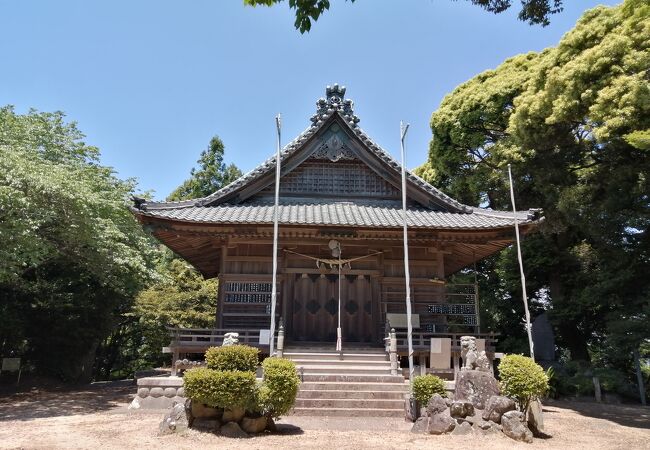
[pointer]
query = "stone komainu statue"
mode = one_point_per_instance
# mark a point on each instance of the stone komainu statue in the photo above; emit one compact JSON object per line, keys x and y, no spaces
{"x":472,"y":358}
{"x":230,"y":339}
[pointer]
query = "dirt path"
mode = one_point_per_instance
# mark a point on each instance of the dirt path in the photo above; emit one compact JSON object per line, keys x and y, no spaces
{"x":97,"y":417}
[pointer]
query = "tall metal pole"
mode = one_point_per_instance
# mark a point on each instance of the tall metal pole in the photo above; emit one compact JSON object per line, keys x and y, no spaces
{"x":407,"y":275}
{"x":274,"y":289}
{"x":339,"y":333}
{"x":521,"y":268}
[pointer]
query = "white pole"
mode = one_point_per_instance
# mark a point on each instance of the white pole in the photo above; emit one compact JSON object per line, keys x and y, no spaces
{"x":339,"y":333}
{"x":274,"y":289}
{"x":521,"y":267}
{"x":407,"y":275}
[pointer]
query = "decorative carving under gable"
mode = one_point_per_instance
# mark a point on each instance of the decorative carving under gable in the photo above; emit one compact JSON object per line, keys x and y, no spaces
{"x":343,"y":178}
{"x":333,"y":149}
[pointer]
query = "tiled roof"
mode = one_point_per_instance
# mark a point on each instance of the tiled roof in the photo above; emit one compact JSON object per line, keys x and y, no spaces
{"x":334,"y":104}
{"x":216,"y":209}
{"x":337,"y":213}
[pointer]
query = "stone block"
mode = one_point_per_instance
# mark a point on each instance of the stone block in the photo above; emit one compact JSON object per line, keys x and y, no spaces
{"x":156,"y":392}
{"x":253,"y":424}
{"x":436,"y":405}
{"x":233,"y":414}
{"x":461,"y":408}
{"x":174,"y":421}
{"x":463,"y":428}
{"x":441,"y":423}
{"x":535,"y":417}
{"x":203,"y":411}
{"x":232,"y":430}
{"x":475,"y":386}
{"x":496,"y":406}
{"x":421,"y":425}
{"x":514,"y":427}
{"x":143,"y":392}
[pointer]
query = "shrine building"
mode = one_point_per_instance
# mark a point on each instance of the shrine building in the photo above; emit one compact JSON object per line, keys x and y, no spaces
{"x":336,"y":185}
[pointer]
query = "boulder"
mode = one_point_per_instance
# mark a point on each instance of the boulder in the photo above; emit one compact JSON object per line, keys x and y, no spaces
{"x":232,"y":430}
{"x":441,"y":423}
{"x":203,"y":411}
{"x":233,"y":414}
{"x":535,"y":417}
{"x":496,"y":406}
{"x":174,"y":421}
{"x":421,"y":425}
{"x":486,"y":427}
{"x":202,"y":424}
{"x":436,"y":405}
{"x":461,"y":408}
{"x":463,"y":428}
{"x":476,"y":387}
{"x":253,"y":424}
{"x":515,"y":428}
{"x":410,"y":408}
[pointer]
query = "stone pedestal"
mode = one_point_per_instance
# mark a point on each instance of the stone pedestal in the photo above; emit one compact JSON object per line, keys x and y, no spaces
{"x":158,"y":393}
{"x":475,"y":386}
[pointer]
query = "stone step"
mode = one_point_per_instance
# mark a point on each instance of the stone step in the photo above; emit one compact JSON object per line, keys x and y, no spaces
{"x":345,"y":362}
{"x":353,"y":394}
{"x":348,"y":412}
{"x":355,"y":386}
{"x":335,"y":356}
{"x":349,"y":403}
{"x":313,"y":369}
{"x":352,"y":378}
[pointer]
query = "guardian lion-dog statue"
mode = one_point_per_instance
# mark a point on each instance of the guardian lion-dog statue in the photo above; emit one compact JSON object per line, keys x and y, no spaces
{"x":472,"y":358}
{"x":230,"y":339}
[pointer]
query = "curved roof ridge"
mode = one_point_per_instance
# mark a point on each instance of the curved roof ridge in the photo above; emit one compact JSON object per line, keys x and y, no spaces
{"x":335,"y":103}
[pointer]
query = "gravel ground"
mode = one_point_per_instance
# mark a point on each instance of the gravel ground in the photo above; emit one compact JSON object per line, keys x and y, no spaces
{"x":97,"y":417}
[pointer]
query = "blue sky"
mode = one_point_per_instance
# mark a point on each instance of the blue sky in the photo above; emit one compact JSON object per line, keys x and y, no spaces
{"x":150,"y":81}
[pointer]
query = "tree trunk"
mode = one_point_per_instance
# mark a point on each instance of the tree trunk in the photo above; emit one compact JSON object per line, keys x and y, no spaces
{"x":569,"y":332}
{"x":639,"y":377}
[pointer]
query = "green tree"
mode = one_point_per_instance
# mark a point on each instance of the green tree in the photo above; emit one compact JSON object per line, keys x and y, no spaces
{"x":212,"y":174}
{"x":535,"y":12}
{"x":572,"y":120}
{"x":180,"y":297}
{"x":73,"y":256}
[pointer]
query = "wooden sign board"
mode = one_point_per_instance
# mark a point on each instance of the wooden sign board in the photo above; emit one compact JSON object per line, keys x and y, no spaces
{"x":265,"y":337}
{"x":10,"y":364}
{"x":400,"y":320}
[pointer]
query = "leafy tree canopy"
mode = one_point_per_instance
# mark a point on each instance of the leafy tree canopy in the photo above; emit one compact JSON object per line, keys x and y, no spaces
{"x":212,"y":174}
{"x":534,"y":12}
{"x":72,"y":255}
{"x":573,"y":121}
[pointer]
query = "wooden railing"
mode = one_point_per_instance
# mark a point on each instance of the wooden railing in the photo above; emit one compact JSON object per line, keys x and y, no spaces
{"x":422,"y":341}
{"x":202,"y":338}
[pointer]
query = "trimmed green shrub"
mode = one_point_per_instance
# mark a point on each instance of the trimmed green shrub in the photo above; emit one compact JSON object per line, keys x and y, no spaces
{"x":233,"y":357}
{"x":277,"y":394}
{"x":522,"y":379}
{"x":425,"y":386}
{"x":220,"y":389}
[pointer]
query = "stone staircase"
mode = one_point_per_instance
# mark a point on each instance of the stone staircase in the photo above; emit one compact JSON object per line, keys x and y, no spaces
{"x":357,"y":384}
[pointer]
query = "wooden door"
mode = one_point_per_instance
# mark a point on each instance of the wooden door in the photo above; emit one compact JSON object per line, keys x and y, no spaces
{"x":315,"y":308}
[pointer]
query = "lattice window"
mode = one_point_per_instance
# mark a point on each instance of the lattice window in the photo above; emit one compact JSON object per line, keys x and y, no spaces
{"x":247,"y":292}
{"x":340,"y":178}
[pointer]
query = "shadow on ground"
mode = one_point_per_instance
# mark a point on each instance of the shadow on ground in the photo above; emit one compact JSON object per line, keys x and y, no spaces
{"x":635,"y":416}
{"x":36,"y":403}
